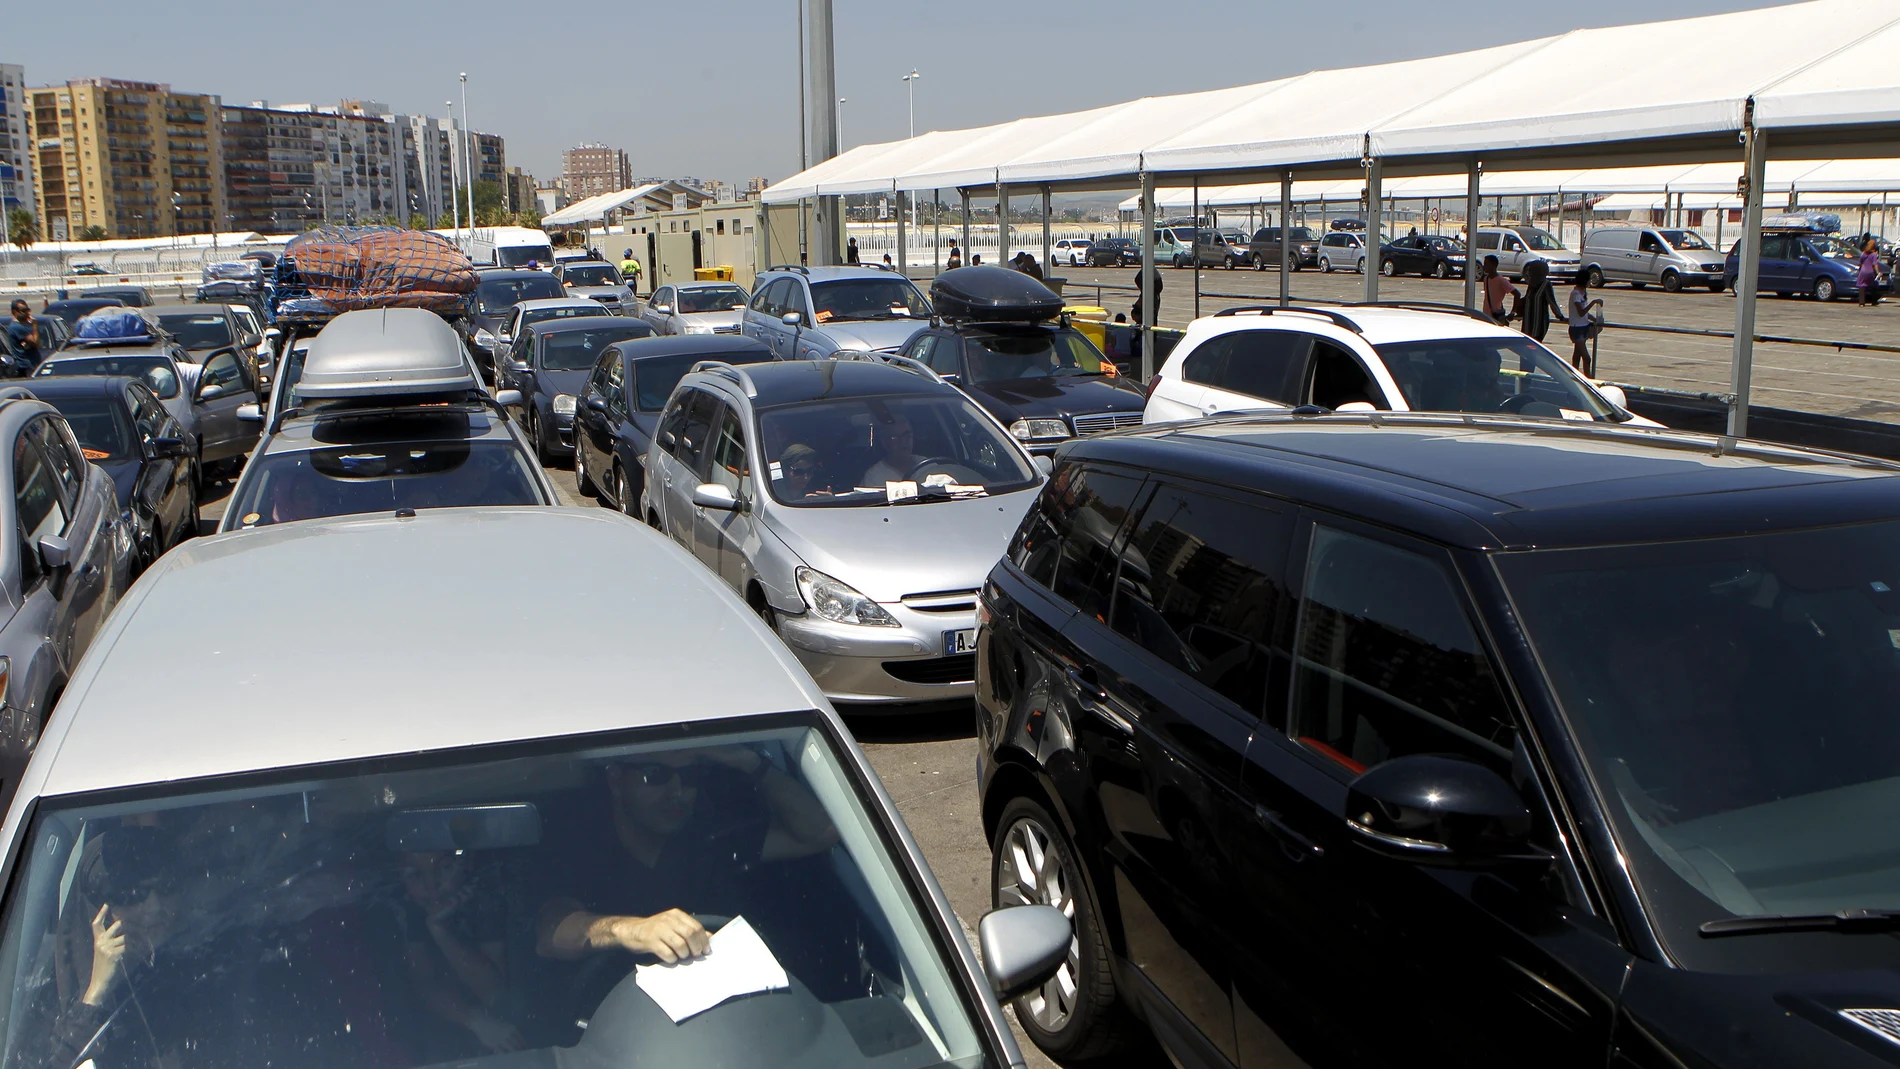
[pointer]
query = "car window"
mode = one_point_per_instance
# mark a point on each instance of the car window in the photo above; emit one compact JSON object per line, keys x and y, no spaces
{"x":355,"y":479}
{"x":696,"y":432}
{"x":198,"y":330}
{"x":100,"y":424}
{"x":1339,"y":378}
{"x":867,"y":298}
{"x":68,"y":467}
{"x":1091,"y":506}
{"x":1033,"y":354}
{"x":530,"y":316}
{"x":590,"y":275}
{"x":1487,"y":240}
{"x":874,"y":451}
{"x":220,"y":370}
{"x":497,"y":295}
{"x":157,"y":371}
{"x":597,"y":378}
{"x":662,"y":296}
{"x":711,"y":299}
{"x":1267,"y":364}
{"x":148,"y":416}
{"x":36,"y":496}
{"x":616,"y":394}
{"x":1506,"y":373}
{"x":1202,"y":586}
{"x":765,"y":301}
{"x":1386,"y":662}
{"x":730,"y":467}
{"x":573,"y":350}
{"x":1649,"y":243}
{"x":1777,"y":247}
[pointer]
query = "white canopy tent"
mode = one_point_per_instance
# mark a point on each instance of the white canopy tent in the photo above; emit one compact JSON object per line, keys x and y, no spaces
{"x":599,"y":206}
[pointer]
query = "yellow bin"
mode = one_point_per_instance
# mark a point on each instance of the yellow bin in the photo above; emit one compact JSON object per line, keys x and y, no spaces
{"x":1092,"y":321}
{"x":722,"y":273}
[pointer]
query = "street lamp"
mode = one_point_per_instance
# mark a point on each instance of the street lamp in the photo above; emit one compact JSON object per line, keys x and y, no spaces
{"x":910,"y":82}
{"x":455,"y":199}
{"x":840,"y":124}
{"x":474,"y":149}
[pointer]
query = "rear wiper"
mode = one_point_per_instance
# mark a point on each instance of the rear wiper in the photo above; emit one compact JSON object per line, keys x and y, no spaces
{"x":1841,"y":920}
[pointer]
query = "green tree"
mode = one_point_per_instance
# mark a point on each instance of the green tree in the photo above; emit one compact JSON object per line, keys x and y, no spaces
{"x":531,"y":216}
{"x":444,"y":221}
{"x":95,"y":232}
{"x":418,"y":221}
{"x":22,"y":229}
{"x":489,"y":199}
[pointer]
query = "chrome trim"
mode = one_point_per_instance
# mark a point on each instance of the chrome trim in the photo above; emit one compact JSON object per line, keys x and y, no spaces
{"x":1884,"y":1023}
{"x":1416,"y":845}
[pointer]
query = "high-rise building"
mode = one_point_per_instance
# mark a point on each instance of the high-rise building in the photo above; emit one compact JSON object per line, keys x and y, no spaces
{"x":517,"y":190}
{"x":754,"y":186}
{"x":133,"y":158}
{"x":16,"y":170}
{"x":590,"y":169}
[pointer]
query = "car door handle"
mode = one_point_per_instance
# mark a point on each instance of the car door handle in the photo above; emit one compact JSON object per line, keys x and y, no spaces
{"x":1303,"y":847}
{"x":1085,"y":686}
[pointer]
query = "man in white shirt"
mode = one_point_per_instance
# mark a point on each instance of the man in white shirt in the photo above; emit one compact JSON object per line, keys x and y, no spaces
{"x":893,"y":440}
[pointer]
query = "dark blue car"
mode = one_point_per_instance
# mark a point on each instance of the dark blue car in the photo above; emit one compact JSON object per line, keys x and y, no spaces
{"x":124,"y":429}
{"x":1802,"y":263}
{"x":548,"y":363}
{"x":621,"y":401}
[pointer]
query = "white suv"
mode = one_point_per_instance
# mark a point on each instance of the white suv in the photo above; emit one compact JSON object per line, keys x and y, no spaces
{"x":1365,"y":357}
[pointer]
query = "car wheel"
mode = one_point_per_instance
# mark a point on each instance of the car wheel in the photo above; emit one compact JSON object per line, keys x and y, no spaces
{"x":583,"y":482}
{"x":1389,"y":269}
{"x":1180,"y":262}
{"x":1360,"y":267}
{"x":1074,"y":1016}
{"x":1325,"y":266}
{"x":1232,"y":263}
{"x":191,"y":513}
{"x":1823,"y":289}
{"x":624,"y":496}
{"x":533,"y":421}
{"x":1441,"y":270}
{"x":1259,"y":263}
{"x":1671,"y":282}
{"x":1596,"y":277}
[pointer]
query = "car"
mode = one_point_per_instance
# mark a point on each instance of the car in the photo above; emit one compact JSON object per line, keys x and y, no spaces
{"x":1174,"y":246}
{"x":1516,"y":246}
{"x":595,"y":280}
{"x":846,"y":313}
{"x":170,"y":382}
{"x":620,"y":404}
{"x":528,"y":313}
{"x":124,"y":431}
{"x":264,"y":257}
{"x":1071,"y":251}
{"x":1042,"y":379}
{"x":392,"y":417}
{"x":497,"y":291}
{"x":435,"y":804}
{"x":548,"y":362}
{"x":130,"y":296}
{"x":1264,"y":250}
{"x":1217,"y":248}
{"x":71,"y":310}
{"x":809,"y":487}
{"x":1665,"y":256}
{"x":1423,"y":254}
{"x":1277,"y":704}
{"x":86,"y":267}
{"x":205,"y":329}
{"x":696,"y":308}
{"x":1387,"y":357}
{"x":1114,"y":252}
{"x":510,"y":246}
{"x":62,"y":569}
{"x":1342,"y":249}
{"x":1797,"y":260}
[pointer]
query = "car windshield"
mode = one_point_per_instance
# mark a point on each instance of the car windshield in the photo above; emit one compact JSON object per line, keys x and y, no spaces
{"x":197,"y":330}
{"x":1838,"y":249}
{"x":655,"y":376}
{"x":851,"y":451}
{"x":100,"y":425}
{"x":1301,"y":233}
{"x":1686,"y":240}
{"x":499,"y":294}
{"x":577,"y":350}
{"x":1539,"y":240}
{"x":867,"y":298}
{"x":1732,"y":698}
{"x":1033,"y":354}
{"x":346,"y":480}
{"x":711,"y":299}
{"x":590,"y":275}
{"x":523,"y":255}
{"x":157,"y":371}
{"x":436,"y":911}
{"x":1504,"y":374}
{"x":531,"y":316}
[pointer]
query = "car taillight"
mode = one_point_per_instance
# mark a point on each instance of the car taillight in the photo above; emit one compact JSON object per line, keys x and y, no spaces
{"x":1150,"y":390}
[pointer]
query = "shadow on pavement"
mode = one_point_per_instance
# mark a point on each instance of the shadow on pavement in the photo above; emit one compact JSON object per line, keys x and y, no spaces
{"x":939,"y":722}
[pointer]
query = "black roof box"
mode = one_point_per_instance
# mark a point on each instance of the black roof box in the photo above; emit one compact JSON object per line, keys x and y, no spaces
{"x":993,"y":294}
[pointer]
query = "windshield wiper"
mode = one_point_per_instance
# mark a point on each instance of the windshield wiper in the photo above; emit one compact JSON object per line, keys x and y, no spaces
{"x":1841,"y":920}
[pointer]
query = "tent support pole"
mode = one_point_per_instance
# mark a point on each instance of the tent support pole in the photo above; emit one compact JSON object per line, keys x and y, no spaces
{"x":1197,"y":246}
{"x":936,"y":231}
{"x":1047,"y":244}
{"x":966,"y":224}
{"x":1286,"y":242}
{"x":903,"y":255}
{"x":1472,"y":176}
{"x":1748,"y":280}
{"x":1148,"y":277}
{"x":1002,"y":224}
{"x":1375,"y":212}
{"x":765,"y":235}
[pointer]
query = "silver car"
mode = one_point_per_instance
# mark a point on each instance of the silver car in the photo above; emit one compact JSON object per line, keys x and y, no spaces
{"x":856,"y":506}
{"x":268,"y":867}
{"x":596,"y":280}
{"x":844,"y":313}
{"x":205,"y":399}
{"x":696,"y":308}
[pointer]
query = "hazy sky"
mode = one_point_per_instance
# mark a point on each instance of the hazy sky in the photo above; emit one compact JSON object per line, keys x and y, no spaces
{"x":710,"y":89}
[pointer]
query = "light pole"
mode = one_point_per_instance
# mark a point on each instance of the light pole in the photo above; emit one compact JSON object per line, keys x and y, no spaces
{"x":455,"y":199}
{"x":910,"y":82}
{"x":468,"y":169}
{"x":840,"y":124}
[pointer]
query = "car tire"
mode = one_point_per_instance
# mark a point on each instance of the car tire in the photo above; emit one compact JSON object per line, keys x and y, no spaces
{"x":1389,"y":269}
{"x":1360,"y":267}
{"x":540,"y":444}
{"x":1824,"y":289}
{"x":1596,"y":277}
{"x":1259,"y":263}
{"x":1441,"y":270}
{"x":1717,"y":286}
{"x":1028,"y":841}
{"x":628,"y":507}
{"x":583,"y":482}
{"x":1232,"y":263}
{"x":1180,"y":262}
{"x":1671,"y":282}
{"x":1325,"y":266}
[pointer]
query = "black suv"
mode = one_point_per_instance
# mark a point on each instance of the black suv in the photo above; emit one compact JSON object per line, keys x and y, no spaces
{"x":1410,"y":740}
{"x":1114,"y":252}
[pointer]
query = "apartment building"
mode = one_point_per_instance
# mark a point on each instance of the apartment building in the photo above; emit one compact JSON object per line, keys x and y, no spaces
{"x":16,"y":168}
{"x":591,"y":169}
{"x":132,"y":158}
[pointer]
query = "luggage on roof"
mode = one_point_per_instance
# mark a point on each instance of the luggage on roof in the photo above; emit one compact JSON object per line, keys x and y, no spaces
{"x":993,"y":294}
{"x":114,"y":324}
{"x":345,"y":268}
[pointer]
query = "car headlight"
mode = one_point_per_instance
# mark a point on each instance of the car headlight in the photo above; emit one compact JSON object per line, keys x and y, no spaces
{"x":563,"y":404}
{"x":697,"y":328}
{"x":831,"y":600}
{"x":850,"y":354}
{"x":1029,"y":430}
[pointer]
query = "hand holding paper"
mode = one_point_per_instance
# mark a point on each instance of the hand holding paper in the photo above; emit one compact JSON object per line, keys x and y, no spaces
{"x":737,"y":963}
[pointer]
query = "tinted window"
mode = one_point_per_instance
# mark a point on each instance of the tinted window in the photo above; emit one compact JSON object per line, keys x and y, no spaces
{"x":523,"y":255}
{"x":1487,"y":240}
{"x":528,"y":317}
{"x":591,"y":275}
{"x":198,"y":330}
{"x":69,"y":469}
{"x":655,"y":376}
{"x":616,"y":402}
{"x":858,"y":451}
{"x":576,"y":350}
{"x":221,"y":370}
{"x":382,"y":478}
{"x":1033,"y":354}
{"x":867,"y":298}
{"x":100,"y":425}
{"x":730,"y":466}
{"x":1089,"y":511}
{"x":1338,"y":378}
{"x":1498,"y":374}
{"x":499,"y":294}
{"x":697,"y":430}
{"x":1259,"y":363}
{"x":1202,"y":583}
{"x":155,"y":370}
{"x":35,"y":494}
{"x":1386,"y":662}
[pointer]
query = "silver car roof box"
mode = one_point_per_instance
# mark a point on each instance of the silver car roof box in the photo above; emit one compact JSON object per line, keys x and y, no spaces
{"x":385,"y":352}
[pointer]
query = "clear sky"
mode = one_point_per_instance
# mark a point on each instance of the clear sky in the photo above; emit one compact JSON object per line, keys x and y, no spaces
{"x":710,"y":89}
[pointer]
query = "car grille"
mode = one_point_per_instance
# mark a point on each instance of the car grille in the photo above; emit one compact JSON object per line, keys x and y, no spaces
{"x":1106,"y":421}
{"x":605,"y":298}
{"x":941,"y":601}
{"x":734,"y":329}
{"x":960,"y":668}
{"x":1882,"y":1021}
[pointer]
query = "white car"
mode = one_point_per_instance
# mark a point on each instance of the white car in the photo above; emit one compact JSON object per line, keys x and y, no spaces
{"x":1071,"y":251}
{"x":1366,"y":358}
{"x":1343,"y":250}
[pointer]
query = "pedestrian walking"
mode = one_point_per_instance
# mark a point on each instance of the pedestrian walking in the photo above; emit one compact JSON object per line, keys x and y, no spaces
{"x":1540,"y":300}
{"x":1496,"y":289}
{"x":1582,"y":327}
{"x":1869,"y":277}
{"x":24,"y":333}
{"x":851,"y":251}
{"x":1154,"y":279}
{"x":956,"y":257}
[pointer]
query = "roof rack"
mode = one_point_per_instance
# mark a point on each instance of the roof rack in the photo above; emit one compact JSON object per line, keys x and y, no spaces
{"x":800,"y":268}
{"x":727,"y":371}
{"x":911,"y":364}
{"x":1339,"y":319}
{"x":422,"y":408}
{"x":1428,"y":306}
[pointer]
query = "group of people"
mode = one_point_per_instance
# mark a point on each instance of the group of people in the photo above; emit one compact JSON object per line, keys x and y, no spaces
{"x":1536,"y":305}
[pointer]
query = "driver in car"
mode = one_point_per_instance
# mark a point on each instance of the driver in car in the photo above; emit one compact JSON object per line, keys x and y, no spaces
{"x":798,"y":467}
{"x":684,"y":839}
{"x":893,"y":439}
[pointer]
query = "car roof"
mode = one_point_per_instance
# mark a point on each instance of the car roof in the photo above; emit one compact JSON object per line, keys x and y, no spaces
{"x":782,"y":382}
{"x":505,"y":274}
{"x":828,"y":274}
{"x":556,"y":302}
{"x":1485,"y":482}
{"x":383,"y":352}
{"x":75,"y":302}
{"x":596,"y":322}
{"x":185,"y":306}
{"x":706,"y":284}
{"x":342,"y":678}
{"x":711,"y":345}
{"x":1374,"y":325}
{"x":327,"y":428}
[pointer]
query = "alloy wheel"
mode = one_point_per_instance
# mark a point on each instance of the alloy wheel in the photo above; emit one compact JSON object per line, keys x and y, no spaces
{"x":1032,"y":874}
{"x":1440,"y":269}
{"x":1325,"y":266}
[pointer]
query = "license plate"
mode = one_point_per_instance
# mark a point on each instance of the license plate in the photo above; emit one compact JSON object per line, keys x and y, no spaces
{"x":955,"y":642}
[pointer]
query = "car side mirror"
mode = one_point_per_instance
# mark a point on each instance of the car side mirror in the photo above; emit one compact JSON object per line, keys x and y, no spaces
{"x":1614,"y":395}
{"x":508,"y":398}
{"x":210,"y":392}
{"x":504,"y":339}
{"x":171,"y":448}
{"x":519,"y":367}
{"x":272,"y":333}
{"x":55,"y":553}
{"x":1023,"y":946}
{"x":250,"y":413}
{"x":716,"y":496}
{"x":663,"y":309}
{"x":792,"y":319}
{"x":1043,"y":464}
{"x":1441,"y":811}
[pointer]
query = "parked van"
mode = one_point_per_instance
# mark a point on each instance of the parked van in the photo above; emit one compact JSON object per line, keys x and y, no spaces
{"x":1638,"y":255}
{"x":511,"y":246}
{"x":1516,"y":246}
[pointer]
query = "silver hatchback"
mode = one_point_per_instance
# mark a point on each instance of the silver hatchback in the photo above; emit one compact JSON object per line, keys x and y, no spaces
{"x":856,"y":506}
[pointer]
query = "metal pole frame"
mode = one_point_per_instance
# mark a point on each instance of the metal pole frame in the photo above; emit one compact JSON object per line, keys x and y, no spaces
{"x":1047,"y":264}
{"x":474,"y":149}
{"x":965,"y":194}
{"x":1375,"y":213}
{"x":903,"y":255}
{"x":1002,"y":224}
{"x":1149,"y":305}
{"x":1196,"y":212}
{"x":1474,"y":175}
{"x":1747,"y":282}
{"x":936,"y":233}
{"x":1286,"y":241}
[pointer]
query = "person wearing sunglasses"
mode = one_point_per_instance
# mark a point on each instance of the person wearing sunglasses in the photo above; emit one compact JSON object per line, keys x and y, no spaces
{"x":689,"y":826}
{"x":798,"y":470}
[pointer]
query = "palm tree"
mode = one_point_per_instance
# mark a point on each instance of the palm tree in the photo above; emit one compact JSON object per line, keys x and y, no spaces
{"x":95,"y":232}
{"x":22,"y":229}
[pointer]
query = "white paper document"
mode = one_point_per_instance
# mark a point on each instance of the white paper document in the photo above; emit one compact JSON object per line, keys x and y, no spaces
{"x":737,"y":963}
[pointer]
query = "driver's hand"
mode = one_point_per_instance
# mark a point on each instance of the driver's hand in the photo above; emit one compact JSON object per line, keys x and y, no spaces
{"x":670,"y":936}
{"x":108,"y":949}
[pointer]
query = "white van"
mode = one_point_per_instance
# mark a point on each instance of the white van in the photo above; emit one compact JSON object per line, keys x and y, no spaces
{"x":1517,"y":246}
{"x":1669,"y":257}
{"x":511,"y":246}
